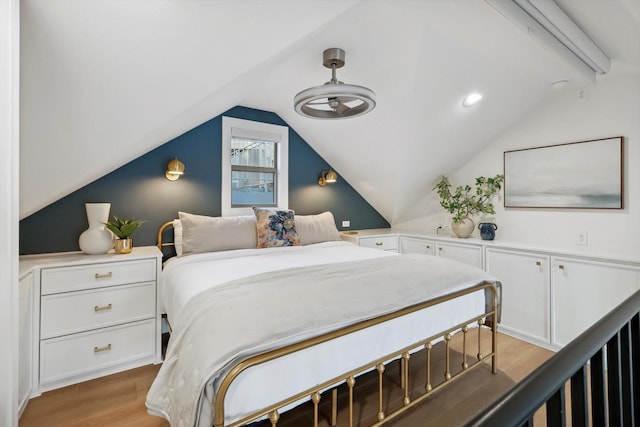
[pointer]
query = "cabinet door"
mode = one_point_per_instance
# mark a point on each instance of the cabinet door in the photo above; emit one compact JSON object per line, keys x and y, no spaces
{"x":525,"y":292}
{"x":25,"y":340}
{"x":468,"y":254}
{"x":584,"y":291}
{"x":415,"y":245}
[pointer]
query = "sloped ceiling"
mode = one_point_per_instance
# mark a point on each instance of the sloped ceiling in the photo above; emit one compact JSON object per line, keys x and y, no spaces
{"x":104,"y":81}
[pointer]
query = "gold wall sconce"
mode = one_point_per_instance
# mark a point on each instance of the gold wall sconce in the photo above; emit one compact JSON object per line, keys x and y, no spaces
{"x":175,"y":169}
{"x":327,"y":176}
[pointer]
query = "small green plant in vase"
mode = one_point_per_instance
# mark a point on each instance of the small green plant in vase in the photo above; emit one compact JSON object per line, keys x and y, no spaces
{"x":123,"y":229}
{"x":466,"y":201}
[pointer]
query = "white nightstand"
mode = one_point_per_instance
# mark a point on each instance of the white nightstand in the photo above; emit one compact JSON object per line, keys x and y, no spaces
{"x":97,"y":314}
{"x":383,"y":239}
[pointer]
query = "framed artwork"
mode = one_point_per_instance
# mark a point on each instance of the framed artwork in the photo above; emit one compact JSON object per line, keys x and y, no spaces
{"x":585,"y":174}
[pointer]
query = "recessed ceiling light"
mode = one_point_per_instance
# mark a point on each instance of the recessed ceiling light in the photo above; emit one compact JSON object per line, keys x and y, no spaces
{"x":471,"y":99}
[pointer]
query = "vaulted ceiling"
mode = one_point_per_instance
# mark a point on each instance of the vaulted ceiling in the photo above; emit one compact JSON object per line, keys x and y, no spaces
{"x":105,"y":81}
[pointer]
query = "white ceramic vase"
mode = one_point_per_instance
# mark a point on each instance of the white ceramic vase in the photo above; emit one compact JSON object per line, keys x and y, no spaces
{"x":463,"y":228}
{"x":96,"y":239}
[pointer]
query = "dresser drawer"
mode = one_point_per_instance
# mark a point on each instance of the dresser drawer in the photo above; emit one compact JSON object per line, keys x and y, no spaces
{"x":70,"y":312}
{"x":387,"y":243}
{"x":66,"y":279}
{"x":89,"y":353}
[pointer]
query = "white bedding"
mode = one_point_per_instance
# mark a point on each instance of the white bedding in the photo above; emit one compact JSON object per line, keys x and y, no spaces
{"x":182,"y":277}
{"x":191,"y":276}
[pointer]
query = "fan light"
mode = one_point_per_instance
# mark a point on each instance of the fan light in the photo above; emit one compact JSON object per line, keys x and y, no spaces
{"x":334,"y":99}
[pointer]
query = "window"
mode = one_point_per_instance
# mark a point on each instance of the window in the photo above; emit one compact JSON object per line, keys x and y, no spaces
{"x":254,"y":166}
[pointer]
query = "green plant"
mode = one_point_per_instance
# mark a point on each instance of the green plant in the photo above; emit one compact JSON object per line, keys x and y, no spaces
{"x":464,"y":201}
{"x":123,"y":228}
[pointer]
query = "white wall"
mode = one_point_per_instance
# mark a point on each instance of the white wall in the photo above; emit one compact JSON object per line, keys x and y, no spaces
{"x":612,"y":108}
{"x":9,"y":92}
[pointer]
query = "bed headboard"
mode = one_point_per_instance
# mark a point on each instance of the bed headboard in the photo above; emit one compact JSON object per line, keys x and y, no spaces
{"x":162,"y":243}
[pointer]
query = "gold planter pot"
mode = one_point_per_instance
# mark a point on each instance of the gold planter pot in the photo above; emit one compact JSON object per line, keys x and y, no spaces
{"x":123,"y":246}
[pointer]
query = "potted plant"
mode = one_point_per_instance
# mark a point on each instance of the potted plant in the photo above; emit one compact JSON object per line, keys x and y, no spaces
{"x":123,"y":229}
{"x":465,"y":201}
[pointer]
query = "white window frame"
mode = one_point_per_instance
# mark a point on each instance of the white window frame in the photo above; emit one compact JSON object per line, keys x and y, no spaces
{"x":261,"y":131}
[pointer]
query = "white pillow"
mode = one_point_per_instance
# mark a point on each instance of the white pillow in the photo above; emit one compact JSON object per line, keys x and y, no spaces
{"x":316,"y":228}
{"x":177,"y":236}
{"x":211,"y":234}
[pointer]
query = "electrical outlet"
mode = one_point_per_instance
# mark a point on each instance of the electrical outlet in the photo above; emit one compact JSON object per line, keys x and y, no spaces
{"x":582,"y":238}
{"x":346,"y":223}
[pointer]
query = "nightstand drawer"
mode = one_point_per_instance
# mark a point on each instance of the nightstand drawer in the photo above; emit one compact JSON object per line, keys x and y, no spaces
{"x":90,"y":276}
{"x":72,"y":312}
{"x":387,"y":243}
{"x":65,"y":358}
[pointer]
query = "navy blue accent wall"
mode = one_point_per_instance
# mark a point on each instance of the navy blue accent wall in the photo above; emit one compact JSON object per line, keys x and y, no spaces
{"x":140,"y":190}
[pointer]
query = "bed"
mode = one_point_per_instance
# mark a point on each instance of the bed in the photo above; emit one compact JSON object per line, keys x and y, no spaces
{"x":258,"y":330}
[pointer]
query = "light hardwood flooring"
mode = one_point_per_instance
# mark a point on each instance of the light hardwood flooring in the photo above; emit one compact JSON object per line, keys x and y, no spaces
{"x":118,"y":400}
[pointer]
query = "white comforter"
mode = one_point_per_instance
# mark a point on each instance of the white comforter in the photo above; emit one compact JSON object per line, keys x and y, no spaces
{"x":237,"y":313}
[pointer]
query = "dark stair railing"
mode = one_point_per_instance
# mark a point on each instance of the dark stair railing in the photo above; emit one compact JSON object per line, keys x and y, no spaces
{"x":602,"y":364}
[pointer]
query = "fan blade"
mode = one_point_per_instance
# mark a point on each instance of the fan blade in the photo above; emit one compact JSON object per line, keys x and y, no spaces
{"x":325,"y":102}
{"x":342,"y":108}
{"x":346,"y":99}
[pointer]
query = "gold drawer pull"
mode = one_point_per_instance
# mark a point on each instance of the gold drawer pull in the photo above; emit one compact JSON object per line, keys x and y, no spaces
{"x":440,"y":248}
{"x":561,"y":267}
{"x":538,"y":263}
{"x":379,"y":243}
{"x":103,"y":308}
{"x":104,"y":276}
{"x":101,"y":349}
{"x":428,"y":246}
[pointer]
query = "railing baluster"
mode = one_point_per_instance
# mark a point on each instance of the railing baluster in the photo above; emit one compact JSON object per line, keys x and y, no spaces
{"x":598,"y":393}
{"x":626,"y":374}
{"x":614,"y":389}
{"x":555,"y":409}
{"x":579,"y":404}
{"x":635,"y":364}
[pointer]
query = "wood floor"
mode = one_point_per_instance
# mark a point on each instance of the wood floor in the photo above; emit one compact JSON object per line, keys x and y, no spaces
{"x":118,"y":400}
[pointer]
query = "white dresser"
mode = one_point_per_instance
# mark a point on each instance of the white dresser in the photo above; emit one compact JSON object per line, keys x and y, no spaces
{"x":97,"y":314}
{"x":549,"y":297}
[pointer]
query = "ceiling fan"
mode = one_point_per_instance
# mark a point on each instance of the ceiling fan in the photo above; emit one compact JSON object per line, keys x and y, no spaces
{"x":334,"y":99}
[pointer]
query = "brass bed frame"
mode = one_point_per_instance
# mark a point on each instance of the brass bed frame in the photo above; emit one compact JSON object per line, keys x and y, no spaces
{"x":488,"y":319}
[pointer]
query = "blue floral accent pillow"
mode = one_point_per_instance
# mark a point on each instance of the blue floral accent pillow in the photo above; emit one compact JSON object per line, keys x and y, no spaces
{"x":275,"y":228}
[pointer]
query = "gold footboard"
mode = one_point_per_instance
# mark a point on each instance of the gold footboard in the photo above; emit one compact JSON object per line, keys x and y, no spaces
{"x":350,"y":378}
